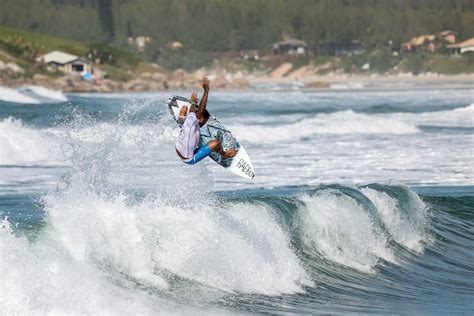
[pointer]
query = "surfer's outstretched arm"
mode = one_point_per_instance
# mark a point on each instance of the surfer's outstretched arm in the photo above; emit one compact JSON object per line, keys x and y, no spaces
{"x":194,"y":98}
{"x":203,"y":103}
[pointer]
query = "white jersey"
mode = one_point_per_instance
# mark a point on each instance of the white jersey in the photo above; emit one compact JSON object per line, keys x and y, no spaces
{"x":188,"y":138}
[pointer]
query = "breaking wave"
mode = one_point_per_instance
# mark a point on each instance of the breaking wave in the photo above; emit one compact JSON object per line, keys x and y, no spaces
{"x":31,"y":95}
{"x":22,"y":145}
{"x":43,"y":95}
{"x":274,"y":245}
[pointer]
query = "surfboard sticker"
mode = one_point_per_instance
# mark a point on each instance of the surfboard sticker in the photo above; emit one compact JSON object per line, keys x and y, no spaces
{"x":240,"y":164}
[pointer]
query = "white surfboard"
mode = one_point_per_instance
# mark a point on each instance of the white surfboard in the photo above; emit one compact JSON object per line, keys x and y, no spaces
{"x":240,"y":164}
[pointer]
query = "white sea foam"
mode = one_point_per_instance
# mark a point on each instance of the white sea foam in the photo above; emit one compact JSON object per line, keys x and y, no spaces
{"x":341,"y":230}
{"x":21,"y":145}
{"x":43,"y":278}
{"x":125,"y":135}
{"x":345,"y":122}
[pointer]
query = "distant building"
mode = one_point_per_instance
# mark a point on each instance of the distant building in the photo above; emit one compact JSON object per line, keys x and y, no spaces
{"x":448,"y":36}
{"x":429,"y":42}
{"x":462,"y":47}
{"x":419,"y":41}
{"x":290,"y":47}
{"x":65,"y":62}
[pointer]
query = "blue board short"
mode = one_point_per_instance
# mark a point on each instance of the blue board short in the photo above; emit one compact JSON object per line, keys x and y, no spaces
{"x":199,"y":154}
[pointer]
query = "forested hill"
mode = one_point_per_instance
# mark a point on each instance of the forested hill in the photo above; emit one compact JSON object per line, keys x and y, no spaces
{"x":219,"y":25}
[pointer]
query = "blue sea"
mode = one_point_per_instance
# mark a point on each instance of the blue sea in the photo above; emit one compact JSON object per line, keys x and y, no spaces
{"x":363,"y":202}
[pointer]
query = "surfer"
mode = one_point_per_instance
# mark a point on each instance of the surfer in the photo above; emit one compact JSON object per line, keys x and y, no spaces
{"x":187,"y":145}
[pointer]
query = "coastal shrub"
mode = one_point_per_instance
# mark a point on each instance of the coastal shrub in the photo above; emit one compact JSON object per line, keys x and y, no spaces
{"x":415,"y":63}
{"x":235,"y":64}
{"x":183,"y":59}
{"x":381,"y":61}
{"x":20,"y":48}
{"x":300,"y":61}
{"x":353,"y":63}
{"x":450,"y":65}
{"x":347,"y":65}
{"x":469,"y":56}
{"x":321,"y":59}
{"x":111,"y":55}
{"x":116,"y":73}
{"x":43,"y":42}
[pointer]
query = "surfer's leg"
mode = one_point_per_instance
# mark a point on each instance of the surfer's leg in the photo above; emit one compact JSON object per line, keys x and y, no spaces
{"x":204,"y":151}
{"x":200,"y":153}
{"x":216,"y":146}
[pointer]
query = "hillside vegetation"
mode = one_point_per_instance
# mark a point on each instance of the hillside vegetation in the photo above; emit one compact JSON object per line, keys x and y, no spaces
{"x":208,"y":28}
{"x":220,"y":25}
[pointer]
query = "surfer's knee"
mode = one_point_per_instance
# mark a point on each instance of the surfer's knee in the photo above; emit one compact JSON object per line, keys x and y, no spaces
{"x":214,"y":145}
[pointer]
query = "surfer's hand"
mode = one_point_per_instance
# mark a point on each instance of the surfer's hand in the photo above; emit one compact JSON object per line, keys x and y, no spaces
{"x":194,"y":97}
{"x":205,"y":84}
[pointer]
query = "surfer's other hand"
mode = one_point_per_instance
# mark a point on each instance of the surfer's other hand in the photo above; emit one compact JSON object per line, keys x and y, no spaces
{"x":205,"y":84}
{"x":229,"y":153}
{"x":194,"y":97}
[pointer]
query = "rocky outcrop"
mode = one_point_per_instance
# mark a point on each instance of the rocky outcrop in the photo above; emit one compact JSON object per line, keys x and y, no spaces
{"x":156,"y":79}
{"x":318,"y":85}
{"x":42,"y":80}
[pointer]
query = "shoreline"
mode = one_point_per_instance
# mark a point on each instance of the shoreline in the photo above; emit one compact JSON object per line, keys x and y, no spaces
{"x":223,"y":81}
{"x":369,"y":79}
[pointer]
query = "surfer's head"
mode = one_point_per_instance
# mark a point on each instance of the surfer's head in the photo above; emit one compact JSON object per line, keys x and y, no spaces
{"x":203,"y":119}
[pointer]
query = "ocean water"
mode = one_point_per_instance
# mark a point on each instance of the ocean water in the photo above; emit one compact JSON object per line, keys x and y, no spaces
{"x":363,"y":202}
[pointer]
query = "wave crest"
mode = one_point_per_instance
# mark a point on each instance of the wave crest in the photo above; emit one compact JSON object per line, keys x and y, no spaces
{"x":346,"y":122}
{"x":338,"y":227}
{"x":21,"y":145}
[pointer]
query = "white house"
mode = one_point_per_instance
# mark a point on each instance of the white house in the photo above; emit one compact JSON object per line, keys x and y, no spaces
{"x":65,"y":62}
{"x":461,"y":48}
